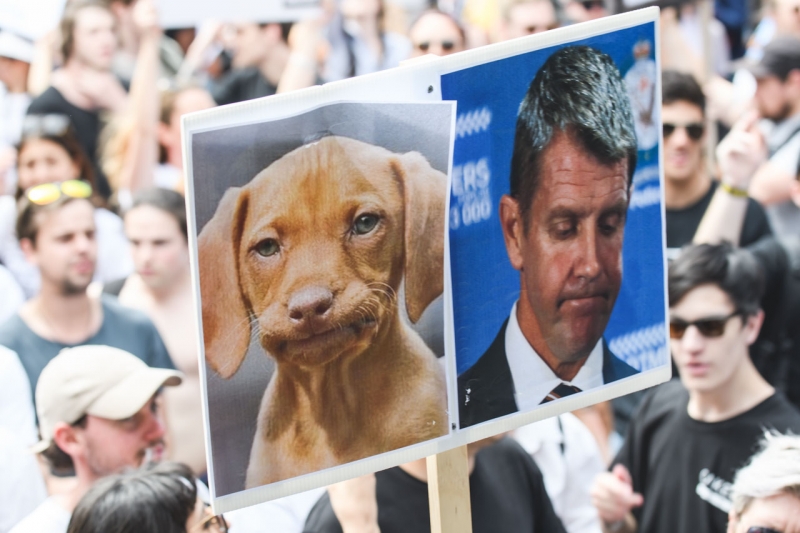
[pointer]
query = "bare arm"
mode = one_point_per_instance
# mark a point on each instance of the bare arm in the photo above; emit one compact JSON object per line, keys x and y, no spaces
{"x":739,"y":155}
{"x":355,"y":505}
{"x":140,"y":119}
{"x":306,"y":44}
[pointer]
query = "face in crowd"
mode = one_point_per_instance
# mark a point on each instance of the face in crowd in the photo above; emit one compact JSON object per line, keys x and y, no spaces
{"x":684,"y":138}
{"x":709,"y":338}
{"x":159,"y":249}
{"x":94,"y":40}
{"x":435,"y":33}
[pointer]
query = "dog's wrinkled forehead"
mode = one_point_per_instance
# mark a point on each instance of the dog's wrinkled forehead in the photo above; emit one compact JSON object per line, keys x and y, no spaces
{"x":331,"y":170}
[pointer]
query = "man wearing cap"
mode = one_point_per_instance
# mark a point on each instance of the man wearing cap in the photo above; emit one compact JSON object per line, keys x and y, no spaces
{"x":98,"y":414}
{"x":777,"y":99}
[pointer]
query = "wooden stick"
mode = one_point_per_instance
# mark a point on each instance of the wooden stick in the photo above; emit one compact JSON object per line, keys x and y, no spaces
{"x":448,"y":492}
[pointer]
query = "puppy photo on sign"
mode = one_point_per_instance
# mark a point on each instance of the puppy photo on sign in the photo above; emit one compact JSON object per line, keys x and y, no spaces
{"x":320,"y":244}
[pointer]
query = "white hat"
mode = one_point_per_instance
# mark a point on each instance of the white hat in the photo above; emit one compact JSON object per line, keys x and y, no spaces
{"x":95,"y":380}
{"x":15,"y":47}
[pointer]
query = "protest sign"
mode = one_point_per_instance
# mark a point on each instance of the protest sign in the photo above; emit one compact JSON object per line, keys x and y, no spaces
{"x":192,"y":13}
{"x":278,"y":276}
{"x":31,"y":19}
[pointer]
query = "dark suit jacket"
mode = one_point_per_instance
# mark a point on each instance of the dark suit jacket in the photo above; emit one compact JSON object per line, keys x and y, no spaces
{"x":486,"y":390}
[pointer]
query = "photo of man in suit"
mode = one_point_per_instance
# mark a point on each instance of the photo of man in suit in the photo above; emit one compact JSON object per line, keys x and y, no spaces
{"x":563,"y":224}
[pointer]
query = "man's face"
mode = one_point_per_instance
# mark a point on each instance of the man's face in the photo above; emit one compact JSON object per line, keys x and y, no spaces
{"x":780,"y":512}
{"x":65,"y":250}
{"x":772,"y":98}
{"x":250,"y":47}
{"x":436,"y":34}
{"x":683,"y":156}
{"x":111,"y":446}
{"x":159,"y":250}
{"x":94,"y":40}
{"x":529,"y":18}
{"x":707,"y":364}
{"x":570,"y":259}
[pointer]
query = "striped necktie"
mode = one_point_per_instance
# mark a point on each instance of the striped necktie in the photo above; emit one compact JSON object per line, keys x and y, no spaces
{"x":560,"y":392}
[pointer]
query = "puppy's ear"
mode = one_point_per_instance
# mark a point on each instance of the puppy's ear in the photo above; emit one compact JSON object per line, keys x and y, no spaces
{"x":424,"y":195}
{"x":226,"y":320}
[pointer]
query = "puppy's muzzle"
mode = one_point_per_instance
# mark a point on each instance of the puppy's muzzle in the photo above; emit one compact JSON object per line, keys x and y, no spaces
{"x":310,"y":308}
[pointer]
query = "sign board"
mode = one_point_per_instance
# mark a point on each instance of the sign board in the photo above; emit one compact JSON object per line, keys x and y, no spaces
{"x":31,"y":19}
{"x":315,"y":214}
{"x":192,"y":13}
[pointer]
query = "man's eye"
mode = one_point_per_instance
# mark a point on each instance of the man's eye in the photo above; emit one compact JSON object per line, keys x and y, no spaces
{"x":267,"y":247}
{"x":364,"y":224}
{"x":610,"y":224}
{"x":563,"y":230}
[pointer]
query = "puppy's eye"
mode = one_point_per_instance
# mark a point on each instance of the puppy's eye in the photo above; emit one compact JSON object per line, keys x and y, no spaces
{"x":267,"y":247}
{"x":364,"y":224}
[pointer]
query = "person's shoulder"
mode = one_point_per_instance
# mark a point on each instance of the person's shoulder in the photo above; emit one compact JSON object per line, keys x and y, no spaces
{"x":12,"y":331}
{"x":661,"y":402}
{"x":49,"y":517}
{"x":116,"y":313}
{"x":778,"y":413}
{"x":51,"y":99}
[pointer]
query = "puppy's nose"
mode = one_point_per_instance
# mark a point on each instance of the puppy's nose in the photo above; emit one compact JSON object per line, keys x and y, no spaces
{"x":310,"y":303}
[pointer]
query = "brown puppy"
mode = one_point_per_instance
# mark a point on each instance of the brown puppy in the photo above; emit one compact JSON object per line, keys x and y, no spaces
{"x":313,"y":250}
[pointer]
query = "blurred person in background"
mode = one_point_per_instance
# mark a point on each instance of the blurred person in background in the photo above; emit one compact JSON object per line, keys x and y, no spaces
{"x":98,"y":410}
{"x":50,"y":153}
{"x":85,"y":86}
{"x":359,"y":42}
{"x":436,"y":32}
{"x":777,"y":99}
{"x":688,"y":188}
{"x":260,"y":52}
{"x":157,"y":498}
{"x":162,"y":288}
{"x":16,"y":54}
{"x":56,"y":229}
{"x":526,"y":17}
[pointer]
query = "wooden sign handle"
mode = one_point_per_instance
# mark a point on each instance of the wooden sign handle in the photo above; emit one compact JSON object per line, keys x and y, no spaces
{"x":448,"y":492}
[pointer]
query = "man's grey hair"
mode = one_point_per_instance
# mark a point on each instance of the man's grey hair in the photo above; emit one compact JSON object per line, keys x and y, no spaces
{"x":578,"y":91}
{"x":774,"y":470}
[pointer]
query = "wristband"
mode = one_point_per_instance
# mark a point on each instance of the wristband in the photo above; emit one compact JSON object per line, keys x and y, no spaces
{"x":733,"y":191}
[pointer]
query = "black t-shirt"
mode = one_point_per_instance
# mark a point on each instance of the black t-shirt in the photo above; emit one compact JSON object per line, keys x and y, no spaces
{"x":87,"y":128}
{"x":506,"y":491}
{"x":682,"y":223}
{"x":240,"y":85}
{"x":683,"y":467}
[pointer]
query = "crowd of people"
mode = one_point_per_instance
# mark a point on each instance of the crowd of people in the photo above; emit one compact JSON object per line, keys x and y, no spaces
{"x":100,"y":406}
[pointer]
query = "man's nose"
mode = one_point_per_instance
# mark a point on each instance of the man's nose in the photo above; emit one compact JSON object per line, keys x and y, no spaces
{"x":588,"y":257}
{"x":155,"y":426}
{"x":692,"y":341}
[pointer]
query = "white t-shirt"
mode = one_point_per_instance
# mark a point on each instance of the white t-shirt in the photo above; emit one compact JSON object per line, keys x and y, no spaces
{"x":569,"y":459}
{"x":49,"y":517}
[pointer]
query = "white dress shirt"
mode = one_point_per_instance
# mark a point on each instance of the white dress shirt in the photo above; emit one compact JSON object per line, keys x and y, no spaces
{"x":533,"y":379}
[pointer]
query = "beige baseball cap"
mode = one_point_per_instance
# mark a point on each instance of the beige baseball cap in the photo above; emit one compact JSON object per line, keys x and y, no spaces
{"x":95,"y":380}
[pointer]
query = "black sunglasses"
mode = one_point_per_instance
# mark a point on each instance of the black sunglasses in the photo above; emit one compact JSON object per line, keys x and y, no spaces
{"x":694,"y":130}
{"x":446,"y":45}
{"x":708,"y":327}
{"x":589,"y":4}
{"x":759,"y":529}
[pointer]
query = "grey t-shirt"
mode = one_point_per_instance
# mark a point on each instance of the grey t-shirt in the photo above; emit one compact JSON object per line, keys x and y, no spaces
{"x":124,"y":328}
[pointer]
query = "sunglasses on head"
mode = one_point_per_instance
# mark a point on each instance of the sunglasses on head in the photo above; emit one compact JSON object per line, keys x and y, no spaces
{"x":708,"y":327}
{"x":535,"y":29}
{"x":759,"y":529}
{"x":424,"y":46}
{"x":694,"y":130}
{"x":589,"y":4}
{"x":54,"y":125}
{"x":47,"y":193}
